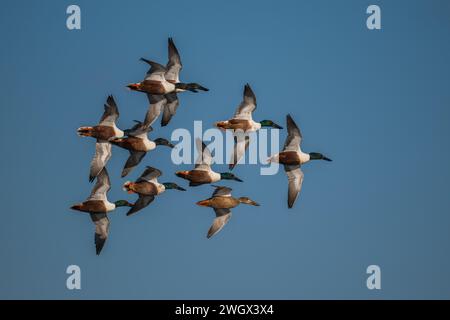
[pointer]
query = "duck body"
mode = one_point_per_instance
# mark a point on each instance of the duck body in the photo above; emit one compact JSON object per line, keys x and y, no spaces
{"x":198,"y":177}
{"x":220,"y":202}
{"x":291,"y":158}
{"x":101,"y":132}
{"x":145,"y":188}
{"x":246,"y":125}
{"x":95,"y":206}
{"x":131,"y":143}
{"x":153,"y":87}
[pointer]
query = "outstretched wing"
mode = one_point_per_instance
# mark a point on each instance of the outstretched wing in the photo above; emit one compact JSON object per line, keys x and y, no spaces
{"x":140,"y":204}
{"x":295,"y":179}
{"x":101,"y":187}
{"x":174,"y":65}
{"x":150,"y":175}
{"x":204,"y":158}
{"x":133,"y":160}
{"x":157,"y":103}
{"x":294,"y":137}
{"x":221,"y":191}
{"x":247,"y":106}
{"x":156,"y":71}
{"x":101,"y":157}
{"x":170,"y":108}
{"x":222,"y":217}
{"x":111,"y":112}
{"x":101,"y":222}
{"x":240,"y":146}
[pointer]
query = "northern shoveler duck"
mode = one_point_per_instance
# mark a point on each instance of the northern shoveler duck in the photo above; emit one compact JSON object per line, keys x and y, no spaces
{"x":222,"y":201}
{"x":165,"y":81}
{"x":137,"y":141}
{"x":242,"y":121}
{"x":104,"y":132}
{"x":293,"y":157}
{"x":203,"y":173}
{"x":97,"y":205}
{"x":147,"y":187}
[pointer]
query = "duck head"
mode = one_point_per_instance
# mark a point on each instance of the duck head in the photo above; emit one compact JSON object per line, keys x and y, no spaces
{"x":172,"y":185}
{"x":123,"y":203}
{"x":193,"y":87}
{"x":247,"y":200}
{"x":318,"y":156}
{"x":229,"y":176}
{"x":270,"y":123}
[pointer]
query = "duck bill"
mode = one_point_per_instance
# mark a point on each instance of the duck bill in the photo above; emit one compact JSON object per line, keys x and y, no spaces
{"x":254,"y":203}
{"x":326,"y":159}
{"x":237,"y":179}
{"x":180,"y":188}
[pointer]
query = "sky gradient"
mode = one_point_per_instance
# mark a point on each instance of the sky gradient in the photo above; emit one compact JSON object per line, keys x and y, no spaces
{"x":376,"y":102}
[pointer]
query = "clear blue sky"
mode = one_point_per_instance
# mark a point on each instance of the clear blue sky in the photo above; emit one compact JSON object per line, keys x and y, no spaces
{"x":376,"y":102}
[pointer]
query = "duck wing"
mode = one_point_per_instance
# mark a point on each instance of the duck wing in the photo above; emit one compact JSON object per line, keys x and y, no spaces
{"x":133,"y":160}
{"x":170,"y":108}
{"x":222,"y":217}
{"x":149,"y":175}
{"x":295,"y":179}
{"x":111,"y":113}
{"x":221,"y":191}
{"x":101,"y":187}
{"x":101,"y":222}
{"x":294,"y":137}
{"x":204,"y":159}
{"x":140,"y":204}
{"x":102,"y":155}
{"x":174,"y":65}
{"x":247,"y":106}
{"x":239,"y":150}
{"x":156,"y":71}
{"x":157,"y":103}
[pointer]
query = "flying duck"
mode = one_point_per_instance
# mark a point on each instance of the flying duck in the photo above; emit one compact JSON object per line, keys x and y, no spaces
{"x":222,"y":201}
{"x":242,"y":121}
{"x":292,"y":157}
{"x":104,"y":132}
{"x":155,"y":81}
{"x":202,"y":173}
{"x":147,"y":187}
{"x":97,"y":205}
{"x":172,"y":75}
{"x":137,"y":141}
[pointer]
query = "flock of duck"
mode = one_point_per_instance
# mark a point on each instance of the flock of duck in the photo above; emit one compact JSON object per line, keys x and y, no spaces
{"x":162,"y":85}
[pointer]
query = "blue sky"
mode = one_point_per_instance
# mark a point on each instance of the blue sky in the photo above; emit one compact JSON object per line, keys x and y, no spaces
{"x":376,"y":102}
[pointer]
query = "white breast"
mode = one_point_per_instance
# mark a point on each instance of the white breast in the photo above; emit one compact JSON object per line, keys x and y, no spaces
{"x":256,"y":126}
{"x":117,"y":132}
{"x":304,"y":157}
{"x":214,"y":176}
{"x":149,"y":145}
{"x":168,"y":87}
{"x":109,"y":206}
{"x":161,"y":188}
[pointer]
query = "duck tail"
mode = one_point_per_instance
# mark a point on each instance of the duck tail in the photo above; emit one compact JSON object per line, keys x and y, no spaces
{"x":222,"y":125}
{"x":128,"y":187}
{"x":182,"y":174}
{"x":203,"y":203}
{"x":77,"y":207}
{"x":85,"y":131}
